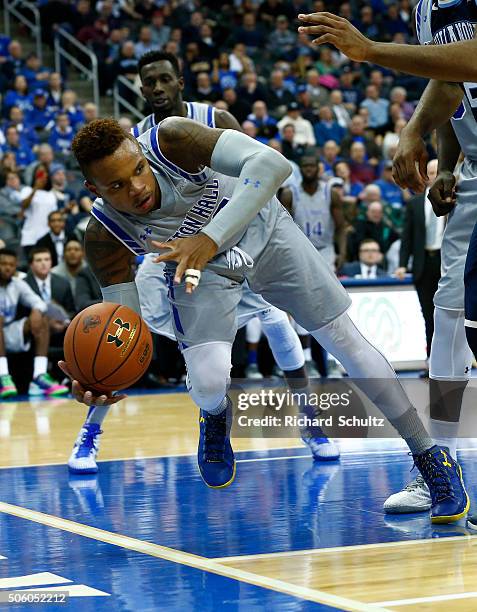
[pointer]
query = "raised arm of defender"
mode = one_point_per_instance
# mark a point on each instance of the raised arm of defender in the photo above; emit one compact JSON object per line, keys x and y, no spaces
{"x":444,"y":62}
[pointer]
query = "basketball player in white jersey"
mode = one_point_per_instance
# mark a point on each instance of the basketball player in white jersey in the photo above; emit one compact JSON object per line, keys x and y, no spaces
{"x":162,"y":86}
{"x":448,"y":105}
{"x":202,"y":196}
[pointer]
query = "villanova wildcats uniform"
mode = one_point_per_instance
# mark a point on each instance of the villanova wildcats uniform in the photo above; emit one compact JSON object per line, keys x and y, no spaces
{"x":312,"y":214}
{"x":442,"y":23}
{"x":271,"y":253}
{"x":155,"y":304}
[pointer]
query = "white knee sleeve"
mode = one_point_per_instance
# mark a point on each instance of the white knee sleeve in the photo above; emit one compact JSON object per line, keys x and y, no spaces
{"x":451,"y":357}
{"x":283,"y":339}
{"x":208,"y":371}
{"x":253,"y":331}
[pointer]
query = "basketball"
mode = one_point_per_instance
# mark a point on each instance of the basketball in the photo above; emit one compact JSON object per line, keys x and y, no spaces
{"x":107,"y":347}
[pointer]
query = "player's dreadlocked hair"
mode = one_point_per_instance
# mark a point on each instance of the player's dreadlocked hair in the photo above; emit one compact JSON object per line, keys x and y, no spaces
{"x":97,"y":140}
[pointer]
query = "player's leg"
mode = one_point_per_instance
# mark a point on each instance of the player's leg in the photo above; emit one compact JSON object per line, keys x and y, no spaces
{"x":205,"y":323}
{"x":7,"y":386}
{"x":293,"y":276}
{"x":38,"y":327}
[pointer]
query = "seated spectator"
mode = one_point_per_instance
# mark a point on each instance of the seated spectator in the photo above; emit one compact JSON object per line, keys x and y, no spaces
{"x":71,"y":108}
{"x":54,"y":92}
{"x":290,"y":149}
{"x":55,"y":240}
{"x":95,"y":36}
{"x":237,"y":107}
{"x":55,"y":292}
{"x":393,"y":23}
{"x":206,"y":41}
{"x":61,"y":136}
{"x":14,"y":61}
{"x":250,"y":34}
{"x":73,"y":262}
{"x":160,"y":32}
{"x":391,"y":139}
{"x":22,"y":150}
{"x":250,"y":129}
{"x":204,"y":90}
{"x":88,"y":291}
{"x":8,"y":163}
{"x":251,"y":90}
{"x":329,"y":157}
{"x":239,"y":60}
{"x":327,"y":128}
{"x":391,"y":193}
{"x":361,"y":170}
{"x":368,"y":23}
{"x":266,"y":125}
{"x":223,"y":76}
{"x":327,"y":63}
{"x":350,"y":188}
{"x":126,"y":124}
{"x":12,"y":195}
{"x":304,"y":134}
{"x":279,"y":96}
{"x":351,"y":94}
{"x":90,"y":112}
{"x":25,"y":129}
{"x":282,"y":41}
{"x":65,"y":198}
{"x":44,"y":156}
{"x":367,"y":266}
{"x":35,"y":74}
{"x":378,"y":108}
{"x":39,"y":201}
{"x":357,"y":133}
{"x":373,"y":226}
{"x":145,"y":42}
{"x":339,"y":109}
{"x":18,"y":96}
{"x":16,"y":335}
{"x":39,"y":116}
{"x":319,"y":95}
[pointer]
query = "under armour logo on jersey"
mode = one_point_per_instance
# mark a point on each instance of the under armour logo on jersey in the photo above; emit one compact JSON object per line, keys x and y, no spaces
{"x":116,"y":337}
{"x":147,"y":232}
{"x":248,"y":181}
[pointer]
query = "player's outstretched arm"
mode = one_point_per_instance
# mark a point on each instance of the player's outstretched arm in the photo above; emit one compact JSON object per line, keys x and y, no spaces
{"x":437,"y":104}
{"x":112,"y":264}
{"x":445,"y":62}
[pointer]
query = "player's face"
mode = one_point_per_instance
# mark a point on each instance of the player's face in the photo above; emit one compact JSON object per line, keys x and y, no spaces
{"x":125,"y":180}
{"x":8,"y":266}
{"x":309,"y":170}
{"x":161,"y":87}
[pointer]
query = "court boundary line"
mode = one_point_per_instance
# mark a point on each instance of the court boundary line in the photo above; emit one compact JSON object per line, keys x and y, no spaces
{"x":188,"y":559}
{"x":429,"y":599}
{"x":355,"y":547}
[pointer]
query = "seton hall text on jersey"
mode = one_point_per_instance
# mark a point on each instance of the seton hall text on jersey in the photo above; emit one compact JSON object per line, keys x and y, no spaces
{"x":201,"y":212}
{"x":462,"y":30}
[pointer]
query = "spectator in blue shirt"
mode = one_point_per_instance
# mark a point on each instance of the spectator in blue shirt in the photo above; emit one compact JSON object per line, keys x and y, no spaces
{"x":73,"y":110}
{"x":23,"y":153}
{"x":18,"y":96}
{"x":35,"y":74}
{"x":282,"y":41}
{"x":54,"y":92}
{"x":16,"y":118}
{"x":378,"y":108}
{"x":391,"y":193}
{"x":328,"y":128}
{"x":266,"y":125}
{"x":145,"y":42}
{"x":250,"y":34}
{"x":38,"y":117}
{"x":351,"y":94}
{"x":62,"y":135}
{"x":329,"y":157}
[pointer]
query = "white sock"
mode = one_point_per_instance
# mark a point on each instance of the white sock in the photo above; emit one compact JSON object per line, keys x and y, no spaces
{"x":444,"y":433}
{"x":307,"y":353}
{"x":96,"y":414}
{"x":3,"y":366}
{"x":40,"y":366}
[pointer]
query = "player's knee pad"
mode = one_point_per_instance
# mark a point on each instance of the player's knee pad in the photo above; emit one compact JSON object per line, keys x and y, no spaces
{"x":451,"y":357}
{"x":253,"y":330}
{"x":282,"y":338}
{"x":208,"y":371}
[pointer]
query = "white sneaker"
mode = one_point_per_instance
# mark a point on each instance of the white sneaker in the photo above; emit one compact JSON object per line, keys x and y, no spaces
{"x":415,"y":497}
{"x":83,"y":457}
{"x":253,"y":372}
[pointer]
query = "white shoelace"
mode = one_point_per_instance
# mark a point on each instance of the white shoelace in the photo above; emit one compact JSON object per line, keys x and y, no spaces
{"x":236,"y":258}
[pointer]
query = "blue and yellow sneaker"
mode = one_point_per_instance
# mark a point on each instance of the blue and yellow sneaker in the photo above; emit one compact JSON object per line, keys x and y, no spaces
{"x":215,"y":456}
{"x":443,"y":476}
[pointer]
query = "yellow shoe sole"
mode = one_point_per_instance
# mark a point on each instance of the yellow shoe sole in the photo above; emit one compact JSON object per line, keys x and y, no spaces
{"x":227,"y":484}
{"x":455,"y":517}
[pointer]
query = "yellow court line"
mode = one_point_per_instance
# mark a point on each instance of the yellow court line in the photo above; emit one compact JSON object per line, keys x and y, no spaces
{"x":322,"y":551}
{"x":188,"y":559}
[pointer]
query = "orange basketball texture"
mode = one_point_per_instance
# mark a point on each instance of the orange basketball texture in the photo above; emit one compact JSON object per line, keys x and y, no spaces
{"x":108,"y":347}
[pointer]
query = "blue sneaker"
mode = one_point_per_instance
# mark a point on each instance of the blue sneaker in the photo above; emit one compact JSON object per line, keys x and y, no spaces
{"x":215,"y":456}
{"x":83,"y":456}
{"x":443,"y":476}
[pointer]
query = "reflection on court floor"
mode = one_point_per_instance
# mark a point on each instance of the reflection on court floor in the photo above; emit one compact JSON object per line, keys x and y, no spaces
{"x":146,"y":534}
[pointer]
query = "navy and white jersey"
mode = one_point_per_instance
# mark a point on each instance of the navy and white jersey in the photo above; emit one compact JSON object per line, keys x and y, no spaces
{"x":188,"y":202}
{"x":312,"y":214}
{"x":203,"y":113}
{"x":441,"y":22}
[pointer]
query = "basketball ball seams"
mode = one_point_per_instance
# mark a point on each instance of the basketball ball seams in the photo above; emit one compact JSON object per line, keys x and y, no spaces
{"x":138,"y":336}
{"x":73,"y":352}
{"x":98,"y":346}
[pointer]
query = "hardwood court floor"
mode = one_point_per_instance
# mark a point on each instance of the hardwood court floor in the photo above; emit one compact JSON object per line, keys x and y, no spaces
{"x":146,"y":534}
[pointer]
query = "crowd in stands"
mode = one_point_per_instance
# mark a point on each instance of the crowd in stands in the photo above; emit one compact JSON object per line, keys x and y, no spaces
{"x":243,"y":56}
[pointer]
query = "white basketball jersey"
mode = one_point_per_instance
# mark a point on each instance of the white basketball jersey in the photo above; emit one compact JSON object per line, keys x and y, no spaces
{"x":203,"y":113}
{"x":313,"y":215}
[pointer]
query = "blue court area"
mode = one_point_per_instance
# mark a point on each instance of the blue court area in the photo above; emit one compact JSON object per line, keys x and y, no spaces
{"x":281,"y":501}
